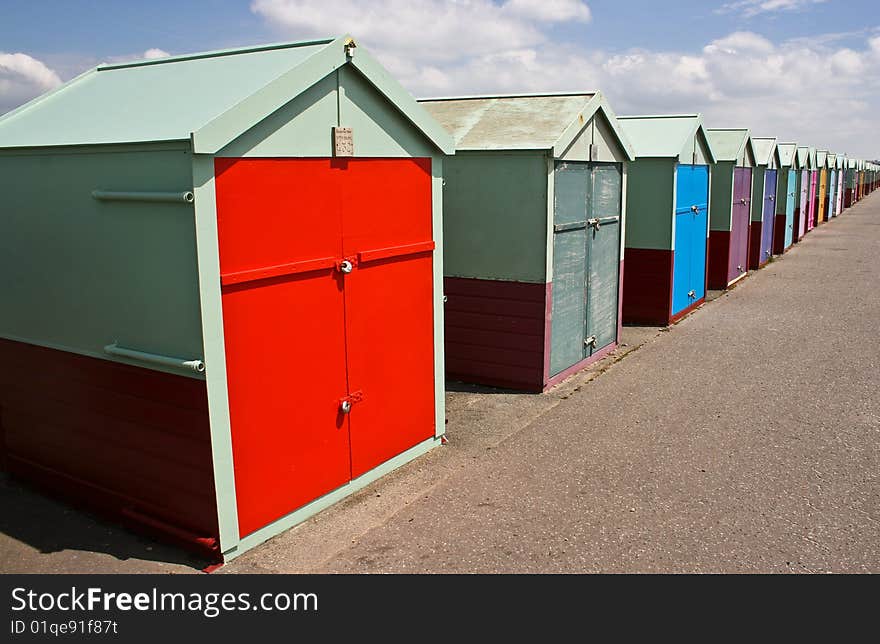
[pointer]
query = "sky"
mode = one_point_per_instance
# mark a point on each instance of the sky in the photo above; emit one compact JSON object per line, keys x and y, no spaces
{"x":805,"y":71}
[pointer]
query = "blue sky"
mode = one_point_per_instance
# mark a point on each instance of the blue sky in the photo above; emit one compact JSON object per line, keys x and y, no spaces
{"x":742,"y":62}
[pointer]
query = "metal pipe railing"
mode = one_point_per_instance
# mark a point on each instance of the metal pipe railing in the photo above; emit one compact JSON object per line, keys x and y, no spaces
{"x":166,"y":361}
{"x":162,"y":197}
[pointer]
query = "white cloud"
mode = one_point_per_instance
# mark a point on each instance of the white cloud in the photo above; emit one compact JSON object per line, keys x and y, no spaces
{"x":431,"y":30}
{"x":22,"y":78}
{"x":752,"y":8}
{"x":150,"y":54}
{"x":809,"y":90}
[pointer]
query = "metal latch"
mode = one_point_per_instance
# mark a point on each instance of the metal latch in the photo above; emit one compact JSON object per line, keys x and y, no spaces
{"x":346,"y":266}
{"x":742,"y":201}
{"x":695,"y":208}
{"x":692,"y":294}
{"x":591,"y":341}
{"x":595,"y":223}
{"x":346,"y":403}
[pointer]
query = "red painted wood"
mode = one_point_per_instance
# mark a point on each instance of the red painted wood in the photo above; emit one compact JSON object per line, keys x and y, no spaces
{"x":687,"y":311}
{"x":495,"y":332}
{"x":848,"y":198}
{"x":647,"y":288}
{"x":285,"y":349}
{"x":719,"y":259}
{"x":395,"y":251}
{"x":389,"y":307}
{"x":779,"y":235}
{"x":298,"y":344}
{"x":278,"y":271}
{"x":755,"y":232}
{"x":118,"y":439}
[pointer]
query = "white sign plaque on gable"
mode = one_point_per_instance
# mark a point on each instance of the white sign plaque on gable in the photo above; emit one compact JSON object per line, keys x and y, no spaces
{"x":343,"y":142}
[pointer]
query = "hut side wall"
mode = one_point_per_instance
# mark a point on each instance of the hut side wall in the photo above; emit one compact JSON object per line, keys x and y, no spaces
{"x":647,"y":284}
{"x":80,"y":274}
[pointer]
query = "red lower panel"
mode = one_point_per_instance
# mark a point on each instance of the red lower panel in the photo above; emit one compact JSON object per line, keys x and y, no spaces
{"x":779,"y":235}
{"x":131,"y":443}
{"x":755,"y":230}
{"x":848,"y":198}
{"x":719,"y":259}
{"x":390,"y":327}
{"x":495,"y":332}
{"x":647,"y":289}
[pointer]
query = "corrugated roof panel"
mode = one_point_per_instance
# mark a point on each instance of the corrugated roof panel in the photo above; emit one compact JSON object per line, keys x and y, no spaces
{"x":507,"y":122}
{"x":763,"y":147}
{"x":727,"y":144}
{"x":155,"y":101}
{"x":787,"y":153}
{"x":659,"y":136}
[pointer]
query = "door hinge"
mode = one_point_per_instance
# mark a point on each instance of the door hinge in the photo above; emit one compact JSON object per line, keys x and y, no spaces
{"x":345,"y":404}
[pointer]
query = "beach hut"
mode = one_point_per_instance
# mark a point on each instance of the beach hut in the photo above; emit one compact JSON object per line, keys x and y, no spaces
{"x":225,"y":312}
{"x":763,"y":211}
{"x":534,"y":220}
{"x":849,"y":197}
{"x":840,"y":188}
{"x":667,"y":219}
{"x":822,"y":196}
{"x":802,"y":207}
{"x":729,"y":210}
{"x":832,"y":186}
{"x":786,"y":197}
{"x":814,"y":190}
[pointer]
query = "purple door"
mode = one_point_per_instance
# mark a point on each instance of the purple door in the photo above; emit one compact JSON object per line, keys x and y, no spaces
{"x":739,"y":225}
{"x":804,"y":205}
{"x":768,"y":215}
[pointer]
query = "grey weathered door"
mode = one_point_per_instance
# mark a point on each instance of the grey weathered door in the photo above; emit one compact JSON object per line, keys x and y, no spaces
{"x":603,"y":255}
{"x":586,"y":261}
{"x":572,"y":187}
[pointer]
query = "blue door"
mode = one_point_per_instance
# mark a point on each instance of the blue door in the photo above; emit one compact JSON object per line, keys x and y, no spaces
{"x":768,"y":216}
{"x":790,"y":198}
{"x":691,"y":226}
{"x":832,"y":193}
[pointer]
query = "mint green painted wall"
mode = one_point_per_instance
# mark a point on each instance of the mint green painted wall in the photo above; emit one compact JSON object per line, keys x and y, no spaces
{"x":495,"y":216}
{"x":722,"y":196}
{"x":303,"y":127}
{"x":758,"y":179}
{"x":78,"y":273}
{"x":650,"y":195}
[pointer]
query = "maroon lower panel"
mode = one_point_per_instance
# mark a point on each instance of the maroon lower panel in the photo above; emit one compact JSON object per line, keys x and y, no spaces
{"x":848,"y":198}
{"x":779,"y":235}
{"x":130,"y":443}
{"x":495,"y":332}
{"x":719,"y":259}
{"x":647,"y":287}
{"x":755,"y":259}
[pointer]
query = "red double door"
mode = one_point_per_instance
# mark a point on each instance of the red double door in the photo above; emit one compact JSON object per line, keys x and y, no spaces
{"x":327,"y":278}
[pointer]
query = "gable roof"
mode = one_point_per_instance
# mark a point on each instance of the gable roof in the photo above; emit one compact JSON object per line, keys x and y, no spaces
{"x":729,"y":144}
{"x":521,"y":121}
{"x":764,"y":147}
{"x":822,"y":158}
{"x":663,"y":135}
{"x":788,"y":154}
{"x":210,"y":98}
{"x":803,"y":154}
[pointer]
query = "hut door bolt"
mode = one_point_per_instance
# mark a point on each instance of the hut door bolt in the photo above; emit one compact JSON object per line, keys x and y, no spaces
{"x":591,"y":342}
{"x":595,"y":223}
{"x":345,"y":404}
{"x":346,"y":266}
{"x":692,"y":294}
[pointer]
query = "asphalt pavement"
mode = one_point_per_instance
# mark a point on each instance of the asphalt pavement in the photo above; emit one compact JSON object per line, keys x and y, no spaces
{"x":744,"y":439}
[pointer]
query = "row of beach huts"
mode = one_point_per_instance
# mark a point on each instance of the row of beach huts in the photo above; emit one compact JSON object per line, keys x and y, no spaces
{"x":235,"y":283}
